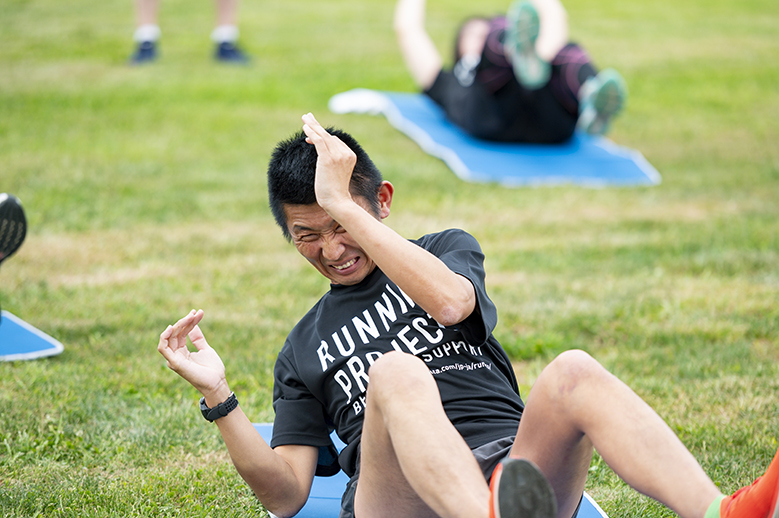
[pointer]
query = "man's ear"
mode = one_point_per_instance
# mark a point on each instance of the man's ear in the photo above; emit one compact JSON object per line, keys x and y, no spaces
{"x":386,"y":190}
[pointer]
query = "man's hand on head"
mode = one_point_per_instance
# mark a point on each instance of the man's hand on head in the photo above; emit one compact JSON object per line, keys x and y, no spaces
{"x":334,"y":166}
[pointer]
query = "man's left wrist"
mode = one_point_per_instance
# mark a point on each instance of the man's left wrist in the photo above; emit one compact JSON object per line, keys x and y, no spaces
{"x":220,"y":410}
{"x":218,"y":394}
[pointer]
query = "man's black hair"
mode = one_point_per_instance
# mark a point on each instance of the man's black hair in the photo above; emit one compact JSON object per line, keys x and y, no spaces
{"x":292,"y":169}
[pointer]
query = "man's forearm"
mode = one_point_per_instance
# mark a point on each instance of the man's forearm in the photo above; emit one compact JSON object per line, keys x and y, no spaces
{"x":272,"y":478}
{"x":419,"y":52}
{"x":446,"y":296}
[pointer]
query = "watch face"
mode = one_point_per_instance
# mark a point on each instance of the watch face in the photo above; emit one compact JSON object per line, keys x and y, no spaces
{"x":204,"y":408}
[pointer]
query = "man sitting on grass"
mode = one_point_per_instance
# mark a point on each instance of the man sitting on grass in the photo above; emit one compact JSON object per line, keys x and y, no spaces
{"x":442,"y":414}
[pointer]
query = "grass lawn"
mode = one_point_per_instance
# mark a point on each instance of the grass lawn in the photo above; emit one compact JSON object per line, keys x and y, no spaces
{"x":145,"y":194}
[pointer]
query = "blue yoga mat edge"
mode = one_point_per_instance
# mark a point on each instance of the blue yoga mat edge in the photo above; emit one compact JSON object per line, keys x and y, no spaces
{"x":13,"y":327}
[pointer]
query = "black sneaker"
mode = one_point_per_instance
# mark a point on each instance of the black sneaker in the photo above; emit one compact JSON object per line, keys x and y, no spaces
{"x":518,"y":489}
{"x":228,"y":52}
{"x":13,"y":225}
{"x":146,"y":52}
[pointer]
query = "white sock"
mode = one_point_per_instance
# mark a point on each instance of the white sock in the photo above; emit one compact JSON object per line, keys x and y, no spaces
{"x":148,"y":32}
{"x":225,"y":33}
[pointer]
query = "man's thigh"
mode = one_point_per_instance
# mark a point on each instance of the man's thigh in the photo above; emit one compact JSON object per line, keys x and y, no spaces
{"x":382,"y":490}
{"x":386,"y":498}
{"x":410,"y":448}
{"x":560,"y":450}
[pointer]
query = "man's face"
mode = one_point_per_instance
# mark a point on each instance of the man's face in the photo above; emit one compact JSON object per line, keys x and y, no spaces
{"x":327,"y":245}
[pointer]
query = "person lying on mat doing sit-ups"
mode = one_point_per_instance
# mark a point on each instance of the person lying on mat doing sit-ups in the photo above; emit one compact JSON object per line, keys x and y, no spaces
{"x":516,"y":78}
{"x":442,"y":413}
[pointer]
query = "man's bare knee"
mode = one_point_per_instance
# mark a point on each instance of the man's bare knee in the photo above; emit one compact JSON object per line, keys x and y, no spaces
{"x":570,"y":370}
{"x":396,"y":373}
{"x":574,"y":363}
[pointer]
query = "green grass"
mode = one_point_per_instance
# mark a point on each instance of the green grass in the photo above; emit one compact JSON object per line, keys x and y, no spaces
{"x":145,"y":194}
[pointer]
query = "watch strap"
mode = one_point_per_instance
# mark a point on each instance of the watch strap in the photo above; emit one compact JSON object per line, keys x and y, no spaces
{"x":220,"y":410}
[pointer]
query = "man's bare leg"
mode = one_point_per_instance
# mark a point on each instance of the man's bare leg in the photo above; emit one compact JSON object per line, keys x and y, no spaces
{"x":225,"y":34}
{"x":576,"y":404}
{"x":147,"y":32}
{"x":413,"y":460}
{"x":146,"y":12}
{"x":226,"y":12}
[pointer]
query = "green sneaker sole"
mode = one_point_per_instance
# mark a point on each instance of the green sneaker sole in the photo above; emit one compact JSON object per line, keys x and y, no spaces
{"x":522,"y":29}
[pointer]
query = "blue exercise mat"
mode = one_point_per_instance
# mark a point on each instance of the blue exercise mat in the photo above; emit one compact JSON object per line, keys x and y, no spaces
{"x":21,"y":341}
{"x":324,"y":501}
{"x":584,"y":160}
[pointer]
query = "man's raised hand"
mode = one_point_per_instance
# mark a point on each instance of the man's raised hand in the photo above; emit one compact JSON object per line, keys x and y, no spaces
{"x":203,"y":368}
{"x":334,"y":165}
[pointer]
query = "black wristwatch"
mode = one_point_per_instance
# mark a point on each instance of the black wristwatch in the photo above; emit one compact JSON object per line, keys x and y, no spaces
{"x":220,"y":410}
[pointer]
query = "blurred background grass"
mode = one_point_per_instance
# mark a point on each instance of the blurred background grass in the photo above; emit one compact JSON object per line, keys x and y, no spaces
{"x":145,"y":194}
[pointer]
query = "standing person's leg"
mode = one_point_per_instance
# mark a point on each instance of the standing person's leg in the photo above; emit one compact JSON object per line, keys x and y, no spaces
{"x":146,"y":12}
{"x":226,"y":12}
{"x":576,"y":405}
{"x":147,"y":31}
{"x":413,"y":462}
{"x":225,"y":34}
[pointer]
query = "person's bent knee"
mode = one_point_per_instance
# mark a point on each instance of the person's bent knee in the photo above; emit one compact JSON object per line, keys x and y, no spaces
{"x":574,"y":367}
{"x":574,"y":357}
{"x":574,"y":361}
{"x":395,"y":372}
{"x":394,"y":364}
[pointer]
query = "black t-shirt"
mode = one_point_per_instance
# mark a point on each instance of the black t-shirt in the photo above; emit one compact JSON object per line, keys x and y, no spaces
{"x":321,"y":374}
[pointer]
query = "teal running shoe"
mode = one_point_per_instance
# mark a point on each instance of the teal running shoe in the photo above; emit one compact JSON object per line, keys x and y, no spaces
{"x":600,"y":99}
{"x":522,"y":29}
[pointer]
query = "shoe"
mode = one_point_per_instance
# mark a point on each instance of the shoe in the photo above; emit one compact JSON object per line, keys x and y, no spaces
{"x":13,"y":225}
{"x":146,"y":52}
{"x":228,"y":52}
{"x":601,"y":98}
{"x":758,"y":500}
{"x":518,"y":489}
{"x":522,"y":29}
